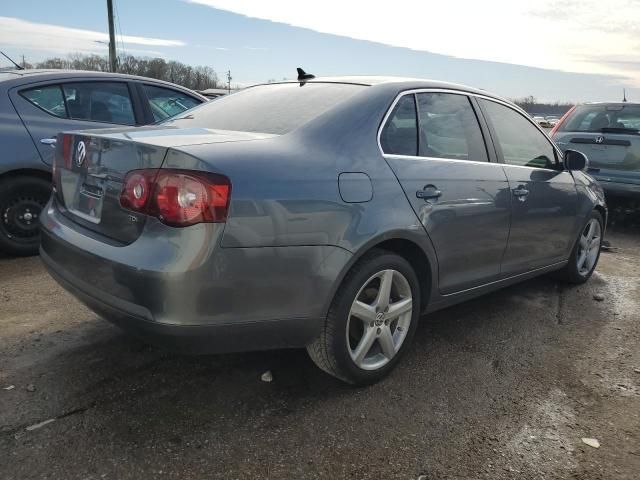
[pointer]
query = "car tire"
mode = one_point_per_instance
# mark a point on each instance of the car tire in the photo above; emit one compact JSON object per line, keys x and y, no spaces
{"x":586,"y":251}
{"x":384,"y":328}
{"x":22,"y":198}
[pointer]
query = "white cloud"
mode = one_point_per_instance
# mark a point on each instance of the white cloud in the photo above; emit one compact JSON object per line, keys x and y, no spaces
{"x":15,"y":32}
{"x":570,"y":35}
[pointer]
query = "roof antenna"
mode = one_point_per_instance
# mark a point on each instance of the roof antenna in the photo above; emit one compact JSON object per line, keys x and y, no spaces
{"x":624,"y":95}
{"x":304,"y":76}
{"x":7,"y":57}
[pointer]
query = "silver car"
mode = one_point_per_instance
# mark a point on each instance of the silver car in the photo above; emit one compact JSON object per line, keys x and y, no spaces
{"x":327,"y":214}
{"x":609,"y":133}
{"x":37,"y":104}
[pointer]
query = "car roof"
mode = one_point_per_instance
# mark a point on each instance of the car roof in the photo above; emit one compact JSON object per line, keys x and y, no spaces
{"x":613,"y":104}
{"x":399,"y":83}
{"x":11,"y":78}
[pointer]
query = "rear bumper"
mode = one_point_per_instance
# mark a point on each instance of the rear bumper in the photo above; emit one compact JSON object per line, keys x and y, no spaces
{"x":188,"y":296}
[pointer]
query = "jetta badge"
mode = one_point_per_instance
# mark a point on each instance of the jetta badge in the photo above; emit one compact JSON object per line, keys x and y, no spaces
{"x":81,"y":153}
{"x":599,"y":139}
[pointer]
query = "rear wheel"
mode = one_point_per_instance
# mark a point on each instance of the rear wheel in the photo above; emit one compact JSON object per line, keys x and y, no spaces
{"x":22,"y":199}
{"x":371,"y":321}
{"x":586,"y":251}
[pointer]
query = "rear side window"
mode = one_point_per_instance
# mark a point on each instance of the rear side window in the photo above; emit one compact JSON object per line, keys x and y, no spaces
{"x":166,"y":102}
{"x":278,"y":108}
{"x":519,"y":140}
{"x":449,"y":128}
{"x":595,"y":118}
{"x":106,"y":102}
{"x":400,"y":134}
{"x":47,"y":98}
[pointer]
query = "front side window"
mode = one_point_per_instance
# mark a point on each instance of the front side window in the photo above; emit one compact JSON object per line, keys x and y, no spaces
{"x":47,"y":98}
{"x":166,"y":103}
{"x":520,"y":141}
{"x":400,"y":134}
{"x":106,"y":102}
{"x":449,"y":128}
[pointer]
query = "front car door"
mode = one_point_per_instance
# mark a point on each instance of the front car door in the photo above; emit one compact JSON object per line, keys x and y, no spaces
{"x":49,"y":108}
{"x":544,"y":197}
{"x":435,"y":146}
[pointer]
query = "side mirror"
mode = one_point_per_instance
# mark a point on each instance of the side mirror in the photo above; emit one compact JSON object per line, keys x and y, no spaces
{"x":575,"y":160}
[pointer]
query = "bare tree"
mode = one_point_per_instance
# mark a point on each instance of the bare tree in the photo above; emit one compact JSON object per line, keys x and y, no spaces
{"x":196,"y":78}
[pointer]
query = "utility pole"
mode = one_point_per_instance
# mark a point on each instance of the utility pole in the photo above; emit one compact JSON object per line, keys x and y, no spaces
{"x":24,"y":64}
{"x":229,"y":80}
{"x":112,"y":38}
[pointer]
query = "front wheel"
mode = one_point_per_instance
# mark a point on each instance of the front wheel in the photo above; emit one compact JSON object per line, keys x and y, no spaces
{"x":586,"y":251}
{"x":371,"y":321}
{"x":22,"y":199}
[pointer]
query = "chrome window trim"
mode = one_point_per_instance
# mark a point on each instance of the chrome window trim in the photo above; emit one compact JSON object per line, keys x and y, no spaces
{"x":442,"y":159}
{"x":515,"y":108}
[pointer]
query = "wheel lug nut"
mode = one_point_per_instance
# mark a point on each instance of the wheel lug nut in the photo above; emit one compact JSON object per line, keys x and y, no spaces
{"x":379,"y":330}
{"x":371,"y":324}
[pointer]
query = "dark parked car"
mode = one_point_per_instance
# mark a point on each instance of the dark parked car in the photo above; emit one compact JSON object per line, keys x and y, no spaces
{"x":328,"y":214}
{"x":609,"y":134}
{"x":37,"y":104}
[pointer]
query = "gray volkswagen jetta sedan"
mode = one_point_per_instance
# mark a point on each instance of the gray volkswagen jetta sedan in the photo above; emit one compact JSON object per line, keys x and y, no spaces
{"x":327,"y":214}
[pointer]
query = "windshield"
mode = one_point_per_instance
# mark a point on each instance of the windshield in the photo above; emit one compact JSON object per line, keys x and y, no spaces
{"x":602,"y":118}
{"x":277,"y":108}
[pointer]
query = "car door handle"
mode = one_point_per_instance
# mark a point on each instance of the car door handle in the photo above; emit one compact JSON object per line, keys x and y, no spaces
{"x":521,"y":193}
{"x":49,"y":141}
{"x":428,"y":193}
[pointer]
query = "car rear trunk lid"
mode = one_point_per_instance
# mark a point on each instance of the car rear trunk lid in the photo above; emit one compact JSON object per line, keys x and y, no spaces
{"x":90,"y":169}
{"x":90,"y":179}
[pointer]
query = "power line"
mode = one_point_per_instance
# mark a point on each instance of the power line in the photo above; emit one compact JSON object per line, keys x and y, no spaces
{"x":117,"y":12}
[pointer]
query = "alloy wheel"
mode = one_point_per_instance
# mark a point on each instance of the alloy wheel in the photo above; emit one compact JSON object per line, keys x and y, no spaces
{"x":589,"y":247}
{"x":379,"y":319}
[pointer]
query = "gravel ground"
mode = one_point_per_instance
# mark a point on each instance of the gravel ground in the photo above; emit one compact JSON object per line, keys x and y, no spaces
{"x":502,"y":387}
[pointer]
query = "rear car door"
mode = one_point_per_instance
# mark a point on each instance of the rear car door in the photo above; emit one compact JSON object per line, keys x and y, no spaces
{"x":49,"y":108}
{"x":544,"y":197}
{"x":434,"y":143}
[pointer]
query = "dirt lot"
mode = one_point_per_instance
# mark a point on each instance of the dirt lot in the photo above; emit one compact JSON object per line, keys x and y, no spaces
{"x":502,"y":387}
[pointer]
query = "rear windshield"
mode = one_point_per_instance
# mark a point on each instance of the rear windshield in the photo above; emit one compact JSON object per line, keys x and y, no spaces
{"x":276,"y":108}
{"x":595,"y":118}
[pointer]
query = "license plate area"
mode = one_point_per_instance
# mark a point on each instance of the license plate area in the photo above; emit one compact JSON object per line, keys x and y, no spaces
{"x":90,"y":202}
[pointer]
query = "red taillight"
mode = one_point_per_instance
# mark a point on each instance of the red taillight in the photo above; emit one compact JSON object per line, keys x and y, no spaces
{"x":561,"y":121}
{"x":137,"y":189}
{"x":177,"y":197}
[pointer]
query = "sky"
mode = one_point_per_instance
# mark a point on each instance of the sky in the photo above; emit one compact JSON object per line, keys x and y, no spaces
{"x":569,"y":50}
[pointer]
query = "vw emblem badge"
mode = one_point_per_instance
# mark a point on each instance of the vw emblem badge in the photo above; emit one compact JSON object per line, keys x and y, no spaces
{"x":81,"y":153}
{"x":599,"y":139}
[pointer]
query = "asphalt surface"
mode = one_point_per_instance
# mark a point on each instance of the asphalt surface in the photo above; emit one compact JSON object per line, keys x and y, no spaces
{"x":502,"y":387}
